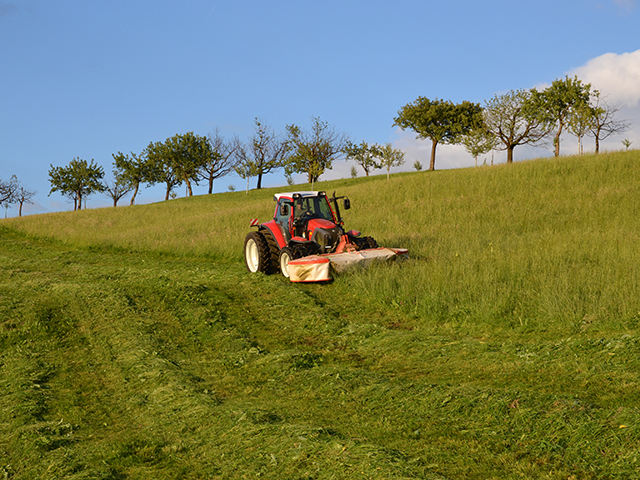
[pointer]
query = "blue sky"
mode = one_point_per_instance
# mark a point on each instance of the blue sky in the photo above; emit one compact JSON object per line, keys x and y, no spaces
{"x":87,"y":79}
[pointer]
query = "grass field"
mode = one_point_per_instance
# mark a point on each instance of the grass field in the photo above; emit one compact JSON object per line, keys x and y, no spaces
{"x":134,"y":344}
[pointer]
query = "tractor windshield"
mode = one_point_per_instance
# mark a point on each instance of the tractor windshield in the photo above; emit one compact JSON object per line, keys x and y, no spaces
{"x":313,"y":207}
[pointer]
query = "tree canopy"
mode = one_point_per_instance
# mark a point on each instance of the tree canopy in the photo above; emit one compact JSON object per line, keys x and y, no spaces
{"x":441,"y":121}
{"x":364,"y":155}
{"x":222,"y":159}
{"x":264,"y":152}
{"x":131,"y":170}
{"x":312,"y":152}
{"x":77,"y":181}
{"x":513,"y":119}
{"x":558,"y":103}
{"x":178,"y":159}
{"x":604,"y":122}
{"x":389,"y":157}
{"x":8,"y":190}
{"x":479,"y":141}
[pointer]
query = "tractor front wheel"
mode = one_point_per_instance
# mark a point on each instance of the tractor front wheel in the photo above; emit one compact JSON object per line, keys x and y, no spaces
{"x":294,"y":252}
{"x":257,"y":256}
{"x":285,"y":258}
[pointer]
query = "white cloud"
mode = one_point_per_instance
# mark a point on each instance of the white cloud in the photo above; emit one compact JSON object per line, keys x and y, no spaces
{"x":616,"y":75}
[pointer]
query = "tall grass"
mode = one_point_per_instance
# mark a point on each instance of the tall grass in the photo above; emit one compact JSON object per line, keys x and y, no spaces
{"x":133,"y":344}
{"x":539,"y":244}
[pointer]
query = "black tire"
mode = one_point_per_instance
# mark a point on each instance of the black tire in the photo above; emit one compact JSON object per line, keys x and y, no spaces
{"x":364,"y":243}
{"x":274,"y":251}
{"x":257,"y":256}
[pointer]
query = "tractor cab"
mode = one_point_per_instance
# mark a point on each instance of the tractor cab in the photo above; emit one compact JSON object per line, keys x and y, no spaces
{"x":308,"y":216}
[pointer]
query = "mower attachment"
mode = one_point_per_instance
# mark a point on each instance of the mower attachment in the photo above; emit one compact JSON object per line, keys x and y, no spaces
{"x":320,"y":268}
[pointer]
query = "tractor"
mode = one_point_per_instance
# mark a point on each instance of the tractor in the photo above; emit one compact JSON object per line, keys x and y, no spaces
{"x":304,"y":224}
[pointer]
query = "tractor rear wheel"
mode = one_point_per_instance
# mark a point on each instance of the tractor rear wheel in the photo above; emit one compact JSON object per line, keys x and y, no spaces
{"x":257,"y":255}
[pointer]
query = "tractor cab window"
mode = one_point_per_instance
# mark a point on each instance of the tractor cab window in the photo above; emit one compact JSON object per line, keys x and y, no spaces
{"x":312,"y":207}
{"x":283,"y":213}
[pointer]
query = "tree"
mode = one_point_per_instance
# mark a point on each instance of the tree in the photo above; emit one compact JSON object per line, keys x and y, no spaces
{"x":581,"y":123}
{"x":513,"y":120}
{"x":627,"y":143}
{"x":159,"y":168}
{"x":604,"y":122}
{"x":180,"y":159}
{"x":439,"y":120}
{"x":264,"y":152}
{"x":132,"y":170}
{"x":558,"y":103}
{"x":8,"y":190}
{"x":221,"y":161}
{"x":313,"y":152}
{"x":479,"y":141}
{"x":23,"y":196}
{"x":389,"y":157}
{"x":245,"y":170}
{"x":363,"y":154}
{"x":117,"y":188}
{"x":77,"y":181}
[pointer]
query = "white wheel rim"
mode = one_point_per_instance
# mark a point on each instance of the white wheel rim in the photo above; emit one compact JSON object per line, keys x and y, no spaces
{"x":284,"y":264}
{"x":251,"y":255}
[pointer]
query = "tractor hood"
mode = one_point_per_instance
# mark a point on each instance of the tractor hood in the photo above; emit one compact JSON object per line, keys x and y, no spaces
{"x":320,"y":223}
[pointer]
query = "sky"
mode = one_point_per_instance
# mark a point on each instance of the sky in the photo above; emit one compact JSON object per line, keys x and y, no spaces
{"x":87,"y":79}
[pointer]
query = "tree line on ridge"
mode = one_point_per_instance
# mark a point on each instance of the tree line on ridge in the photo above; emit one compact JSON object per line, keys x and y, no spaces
{"x":517,"y":117}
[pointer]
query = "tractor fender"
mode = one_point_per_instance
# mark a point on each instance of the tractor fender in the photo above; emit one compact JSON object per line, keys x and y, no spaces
{"x":275,"y":231}
{"x":353,"y":233}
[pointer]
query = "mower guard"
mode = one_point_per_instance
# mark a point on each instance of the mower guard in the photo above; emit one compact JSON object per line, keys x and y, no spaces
{"x":321,"y":268}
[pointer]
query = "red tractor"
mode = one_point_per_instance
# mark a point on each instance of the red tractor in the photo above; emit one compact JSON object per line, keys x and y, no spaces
{"x":304,"y":224}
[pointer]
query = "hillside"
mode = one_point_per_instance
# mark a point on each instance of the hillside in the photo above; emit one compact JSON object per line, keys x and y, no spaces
{"x":134,"y":344}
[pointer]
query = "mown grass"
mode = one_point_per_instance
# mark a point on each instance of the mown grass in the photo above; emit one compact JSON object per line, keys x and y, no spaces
{"x":133,"y":344}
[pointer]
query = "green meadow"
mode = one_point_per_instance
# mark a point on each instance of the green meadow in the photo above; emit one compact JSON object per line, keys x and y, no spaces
{"x":135,"y":345}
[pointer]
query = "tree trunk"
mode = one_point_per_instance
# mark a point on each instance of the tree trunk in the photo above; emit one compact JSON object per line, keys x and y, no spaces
{"x":135,"y":192}
{"x":189,"y":191}
{"x":166,"y":197}
{"x":259,"y":186}
{"x":432,"y":164}
{"x":597,"y":144}
{"x":210,"y":184}
{"x":556,"y":141}
{"x":20,"y":210}
{"x":510,"y":153}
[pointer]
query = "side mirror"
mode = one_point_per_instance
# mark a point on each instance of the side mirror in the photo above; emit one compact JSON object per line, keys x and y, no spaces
{"x":284,"y":210}
{"x":347,"y":204}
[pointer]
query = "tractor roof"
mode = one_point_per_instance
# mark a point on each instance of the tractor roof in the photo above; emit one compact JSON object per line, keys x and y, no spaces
{"x":277,"y":196}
